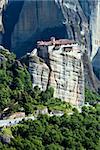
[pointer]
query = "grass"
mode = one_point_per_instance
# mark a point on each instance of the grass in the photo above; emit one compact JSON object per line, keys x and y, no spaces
{"x":6,"y":131}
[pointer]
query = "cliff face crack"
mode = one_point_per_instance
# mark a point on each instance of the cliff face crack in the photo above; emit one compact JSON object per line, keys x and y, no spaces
{"x":50,"y":70}
{"x":62,"y":69}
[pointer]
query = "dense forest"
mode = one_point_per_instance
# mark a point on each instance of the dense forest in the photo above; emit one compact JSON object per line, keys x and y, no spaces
{"x":78,"y":131}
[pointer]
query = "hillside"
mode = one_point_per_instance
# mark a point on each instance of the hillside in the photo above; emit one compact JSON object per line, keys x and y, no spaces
{"x":50,"y":76}
{"x":79,"y":131}
{"x":16,"y":92}
{"x":73,"y":130}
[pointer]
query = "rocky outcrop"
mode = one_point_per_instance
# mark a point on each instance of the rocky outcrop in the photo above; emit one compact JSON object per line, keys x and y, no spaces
{"x":95,"y":63}
{"x":91,"y":81}
{"x":6,"y":135}
{"x":39,"y":72}
{"x":72,"y":19}
{"x":32,"y":21}
{"x":2,"y":4}
{"x":62,"y":69}
{"x":36,"y":20}
{"x":95,"y":28}
{"x":6,"y":139}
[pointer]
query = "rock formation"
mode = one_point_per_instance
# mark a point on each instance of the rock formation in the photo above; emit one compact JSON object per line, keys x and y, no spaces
{"x":95,"y":27}
{"x":39,"y":20}
{"x":39,"y":71}
{"x":32,"y":22}
{"x":72,"y":19}
{"x":59,"y":64}
{"x":95,"y":63}
{"x":2,"y":4}
{"x":91,"y":81}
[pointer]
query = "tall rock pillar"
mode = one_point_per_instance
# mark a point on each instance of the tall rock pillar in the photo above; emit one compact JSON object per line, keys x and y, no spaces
{"x":2,"y":4}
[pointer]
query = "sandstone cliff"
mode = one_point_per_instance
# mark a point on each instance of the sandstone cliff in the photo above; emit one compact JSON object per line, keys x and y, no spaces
{"x":61,"y":67}
{"x":34,"y":20}
{"x":26,"y":22}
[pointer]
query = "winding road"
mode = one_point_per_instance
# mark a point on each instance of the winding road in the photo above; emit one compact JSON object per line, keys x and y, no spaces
{"x":9,"y":122}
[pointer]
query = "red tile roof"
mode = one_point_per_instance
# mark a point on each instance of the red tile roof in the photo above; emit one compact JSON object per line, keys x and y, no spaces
{"x":56,"y":42}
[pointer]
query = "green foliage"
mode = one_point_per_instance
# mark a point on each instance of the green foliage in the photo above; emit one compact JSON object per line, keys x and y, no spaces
{"x":91,"y":96}
{"x":46,"y":95}
{"x":16,"y":89}
{"x":79,"y":131}
{"x":4,"y":96}
{"x":54,"y":146}
{"x":6,"y":131}
{"x":14,"y":81}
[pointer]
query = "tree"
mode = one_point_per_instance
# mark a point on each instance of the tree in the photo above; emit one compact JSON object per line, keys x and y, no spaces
{"x":4,"y":96}
{"x":91,"y":96}
{"x":47,"y":95}
{"x":54,"y":146}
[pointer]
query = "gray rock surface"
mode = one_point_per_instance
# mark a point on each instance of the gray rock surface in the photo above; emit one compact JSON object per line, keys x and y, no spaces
{"x":35,"y":20}
{"x":96,"y":64}
{"x":62,"y":69}
{"x":6,"y":139}
{"x":39,"y":72}
{"x":39,"y":19}
{"x":2,"y":4}
{"x":91,"y":81}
